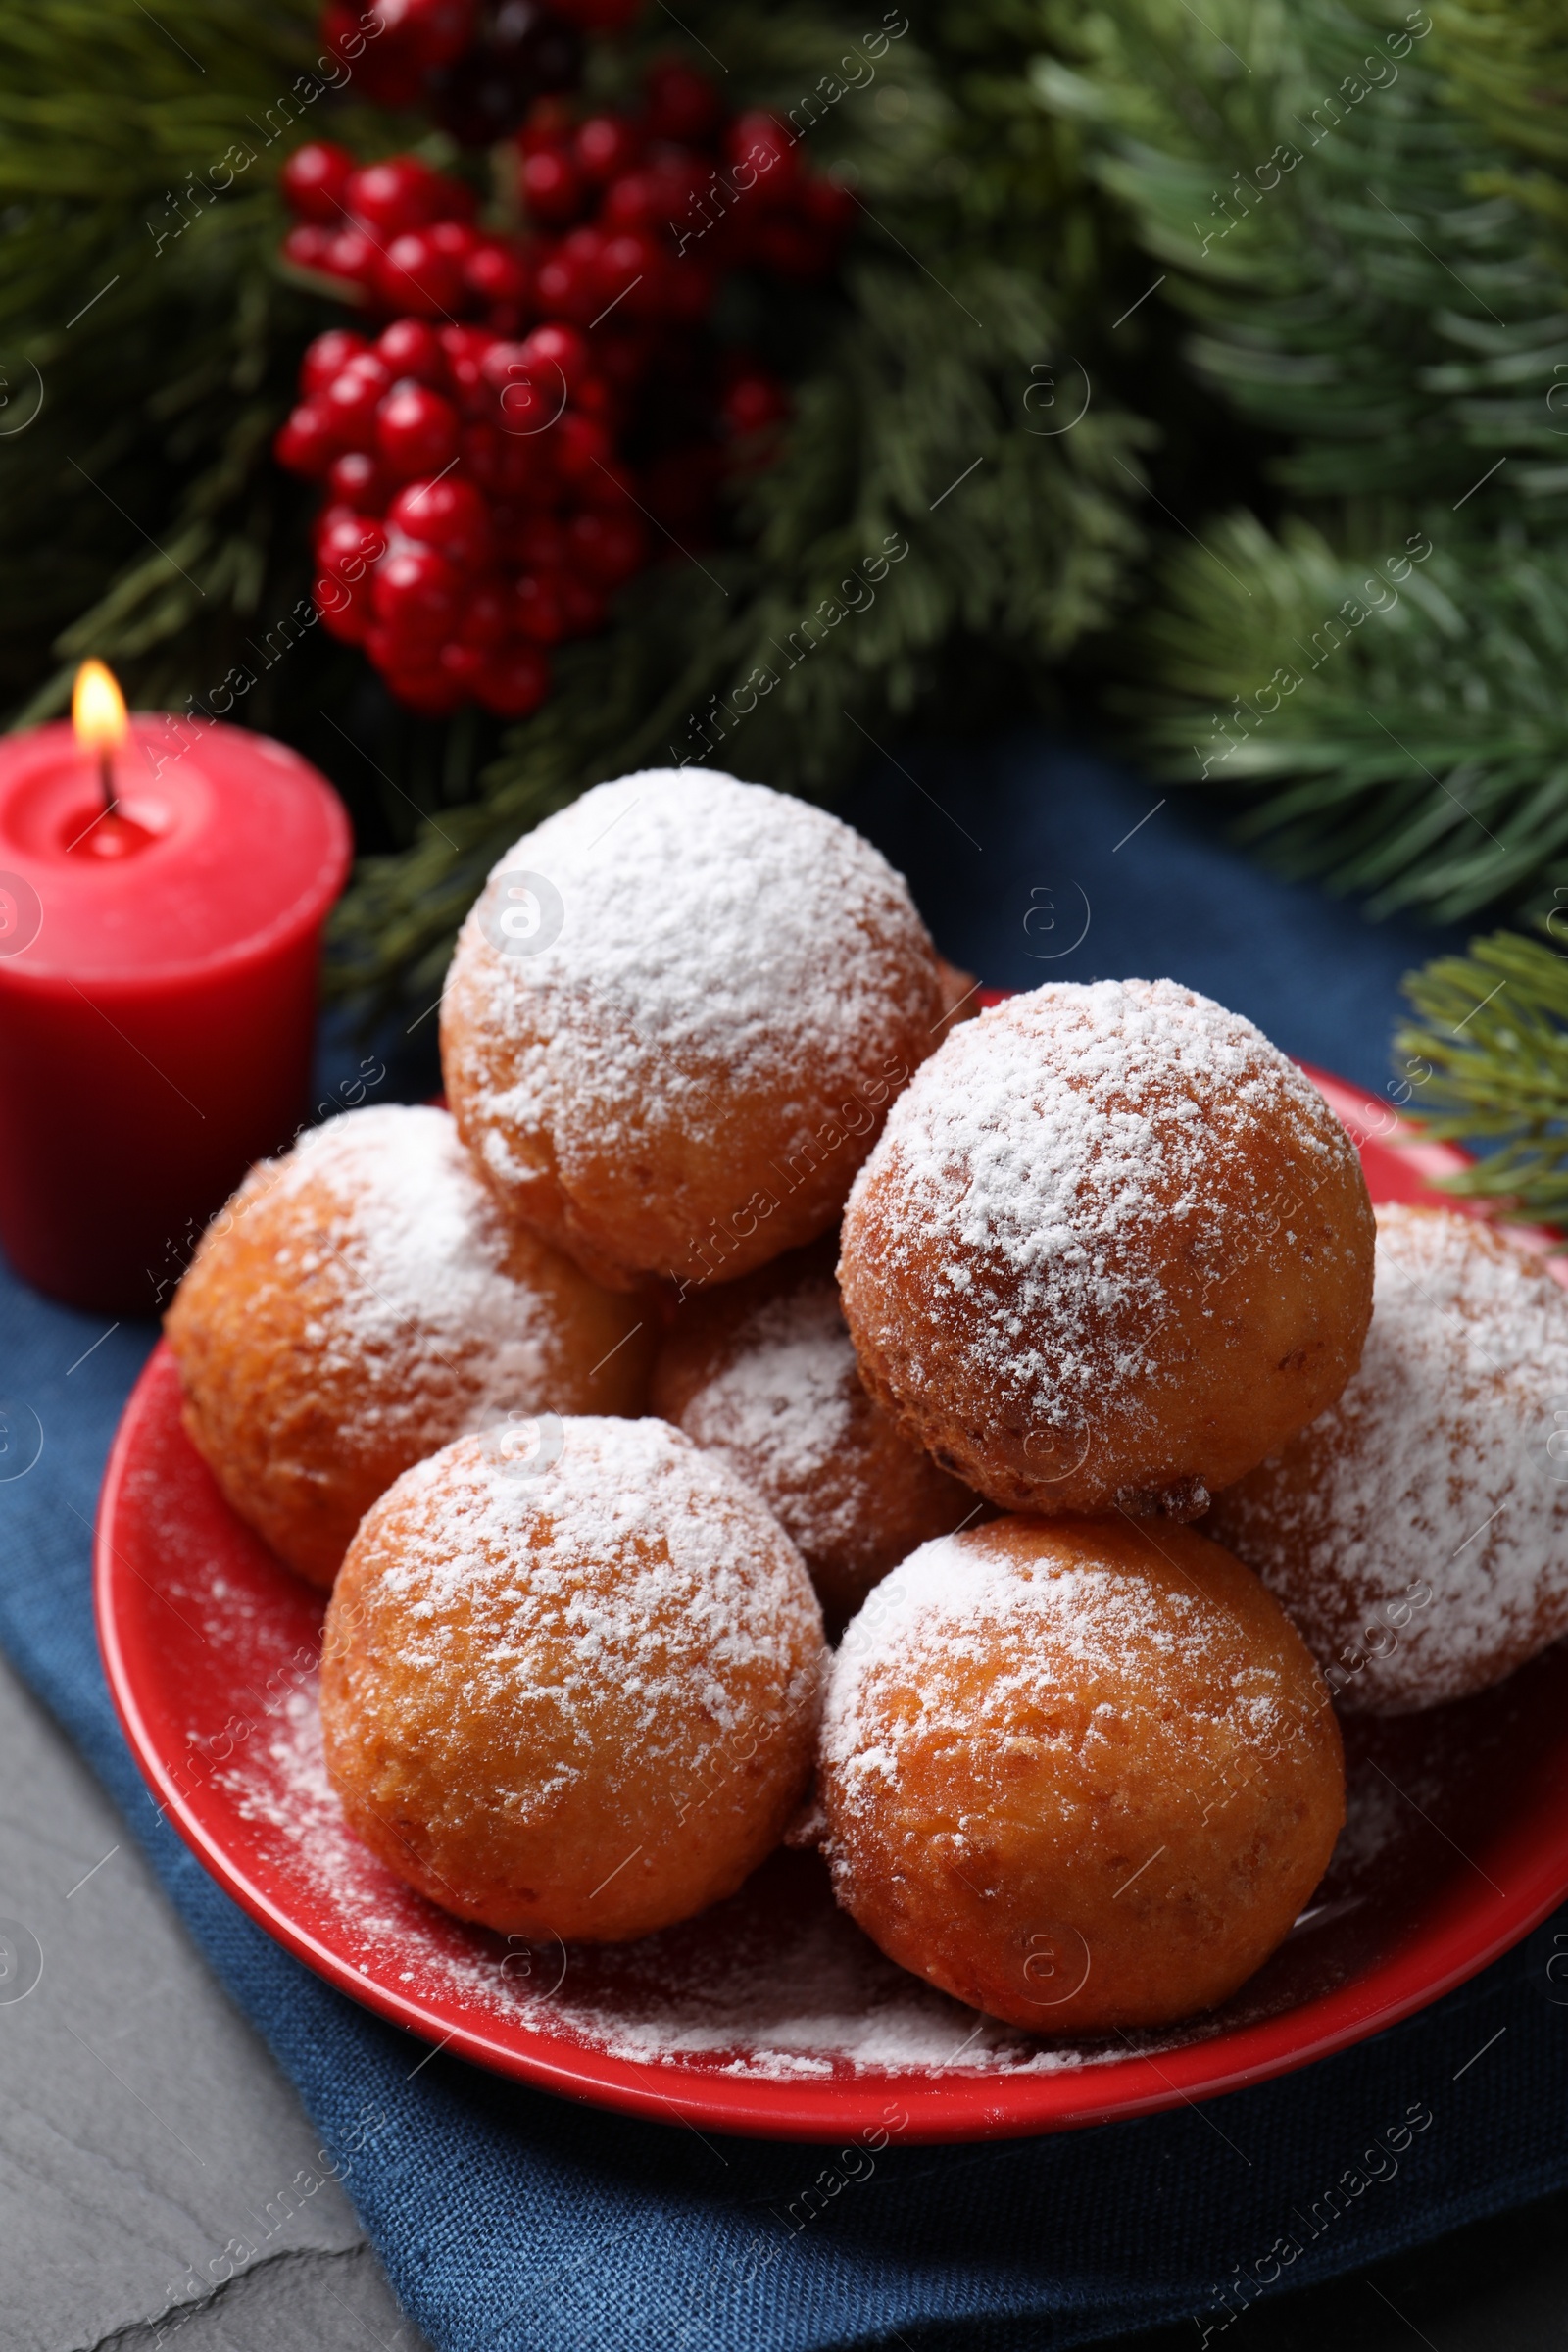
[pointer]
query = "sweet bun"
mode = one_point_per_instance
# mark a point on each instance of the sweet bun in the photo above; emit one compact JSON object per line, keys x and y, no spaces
{"x":1081,"y":1774}
{"x":674,"y":1021}
{"x":576,"y":1696}
{"x":359,"y":1303}
{"x":1418,"y":1531}
{"x":1111,"y":1248}
{"x":762,"y":1372}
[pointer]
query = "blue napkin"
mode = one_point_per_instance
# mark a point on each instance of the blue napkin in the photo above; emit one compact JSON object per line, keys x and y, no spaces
{"x":508,"y":2219}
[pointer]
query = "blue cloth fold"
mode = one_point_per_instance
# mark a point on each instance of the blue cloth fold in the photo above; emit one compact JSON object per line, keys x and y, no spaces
{"x":510,"y":2220}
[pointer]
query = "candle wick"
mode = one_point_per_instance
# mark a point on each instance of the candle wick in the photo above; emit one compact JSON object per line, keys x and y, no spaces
{"x":106,"y":777}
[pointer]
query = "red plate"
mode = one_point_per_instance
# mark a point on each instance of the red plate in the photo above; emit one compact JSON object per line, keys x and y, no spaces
{"x":771,"y":2014}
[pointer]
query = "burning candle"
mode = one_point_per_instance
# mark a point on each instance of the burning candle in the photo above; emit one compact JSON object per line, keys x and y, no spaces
{"x":160,"y":908}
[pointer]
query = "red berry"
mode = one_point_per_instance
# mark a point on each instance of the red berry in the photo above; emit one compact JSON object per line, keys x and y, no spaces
{"x":516,"y":682}
{"x":383,"y":68}
{"x":345,"y":611}
{"x":551,"y":187}
{"x":455,"y":239}
{"x":537,"y":610}
{"x":464,"y":664}
{"x":498,"y":273}
{"x":314,"y":180}
{"x":349,"y":546}
{"x":414,"y":274}
{"x":682,"y":103}
{"x":762,"y":144}
{"x":482,"y":447}
{"x":598,"y":399}
{"x":353,"y":254}
{"x":467,"y":350}
{"x":568,"y":281}
{"x":449,"y":515}
{"x":486,"y":616}
{"x":607,"y":548}
{"x":632,"y":201}
{"x":579,"y":446}
{"x":631,"y":274}
{"x":527,"y":400}
{"x":399,"y":194}
{"x":416,"y":594}
{"x":410,"y":348}
{"x":305,"y":442}
{"x":352,"y":398}
{"x":355,"y":480}
{"x":554,"y":346}
{"x":753,"y":401}
{"x":307,"y":246}
{"x":463,"y":343}
{"x":327,"y":357}
{"x":434,"y":33}
{"x":415,"y":431}
{"x":606,"y":146}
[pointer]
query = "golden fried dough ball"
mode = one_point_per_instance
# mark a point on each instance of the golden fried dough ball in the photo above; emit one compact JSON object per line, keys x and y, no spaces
{"x":1417,"y":1532}
{"x":573,"y":1696}
{"x":363,"y":1301}
{"x":960,"y":994}
{"x":675,"y":1019}
{"x":1081,"y":1773}
{"x":761,"y":1371}
{"x":1112,"y":1246}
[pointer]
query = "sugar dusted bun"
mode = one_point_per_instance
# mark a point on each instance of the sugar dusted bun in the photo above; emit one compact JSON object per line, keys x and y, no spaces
{"x":359,"y":1303}
{"x":1418,"y":1531}
{"x":579,"y":1702}
{"x":1111,"y":1248}
{"x":675,"y":1019}
{"x":762,"y":1373}
{"x":1081,"y":1774}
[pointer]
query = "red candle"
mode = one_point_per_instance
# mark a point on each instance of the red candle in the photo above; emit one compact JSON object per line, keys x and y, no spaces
{"x":161,"y":897}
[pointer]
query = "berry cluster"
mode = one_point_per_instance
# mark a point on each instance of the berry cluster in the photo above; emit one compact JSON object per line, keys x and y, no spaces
{"x":476,"y":68}
{"x":491,"y":455}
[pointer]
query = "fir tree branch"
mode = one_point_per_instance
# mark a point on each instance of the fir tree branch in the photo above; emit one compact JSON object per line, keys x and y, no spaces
{"x":1400,"y":717}
{"x":1489,"y":1052}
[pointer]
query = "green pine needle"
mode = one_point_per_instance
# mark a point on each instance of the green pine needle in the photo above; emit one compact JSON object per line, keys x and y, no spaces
{"x":1487,"y":1057}
{"x":1398,"y":716}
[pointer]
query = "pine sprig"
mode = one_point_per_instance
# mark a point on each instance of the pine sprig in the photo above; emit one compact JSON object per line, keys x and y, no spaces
{"x":1312,"y":189}
{"x":1488,"y":1055}
{"x":1399,"y":717}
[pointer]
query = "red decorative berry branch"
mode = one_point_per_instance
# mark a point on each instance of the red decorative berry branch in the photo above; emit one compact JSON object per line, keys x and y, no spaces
{"x":545,"y":410}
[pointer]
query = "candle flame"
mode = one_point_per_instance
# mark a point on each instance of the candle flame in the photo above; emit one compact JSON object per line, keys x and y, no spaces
{"x":98,"y":709}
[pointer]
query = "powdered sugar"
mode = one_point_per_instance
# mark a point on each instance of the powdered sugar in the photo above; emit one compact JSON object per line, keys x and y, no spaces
{"x":718,"y":943}
{"x":783,"y":1409}
{"x":1418,"y":1531}
{"x":1052,"y":1157}
{"x":403,"y":1252}
{"x":976,"y":1638}
{"x":633,"y":1561}
{"x":777,"y":1984}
